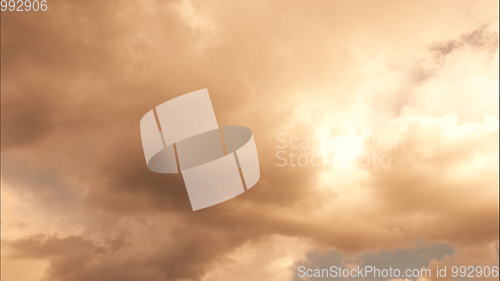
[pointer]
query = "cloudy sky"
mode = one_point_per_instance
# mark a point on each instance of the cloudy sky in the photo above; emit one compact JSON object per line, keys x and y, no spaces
{"x":397,"y":101}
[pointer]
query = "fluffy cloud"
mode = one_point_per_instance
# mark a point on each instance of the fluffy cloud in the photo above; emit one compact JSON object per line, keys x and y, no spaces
{"x":78,"y":202}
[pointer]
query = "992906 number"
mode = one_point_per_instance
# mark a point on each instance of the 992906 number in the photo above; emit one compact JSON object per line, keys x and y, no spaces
{"x":24,"y":5}
{"x":474,"y":271}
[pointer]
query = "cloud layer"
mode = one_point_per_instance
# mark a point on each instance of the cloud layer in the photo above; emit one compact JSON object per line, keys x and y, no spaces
{"x":78,"y":202}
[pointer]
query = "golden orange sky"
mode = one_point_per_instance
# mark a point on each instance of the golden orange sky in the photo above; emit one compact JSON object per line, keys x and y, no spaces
{"x":398,"y":100}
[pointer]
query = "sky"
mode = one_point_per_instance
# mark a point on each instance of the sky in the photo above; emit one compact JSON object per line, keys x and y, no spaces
{"x":376,"y":126}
